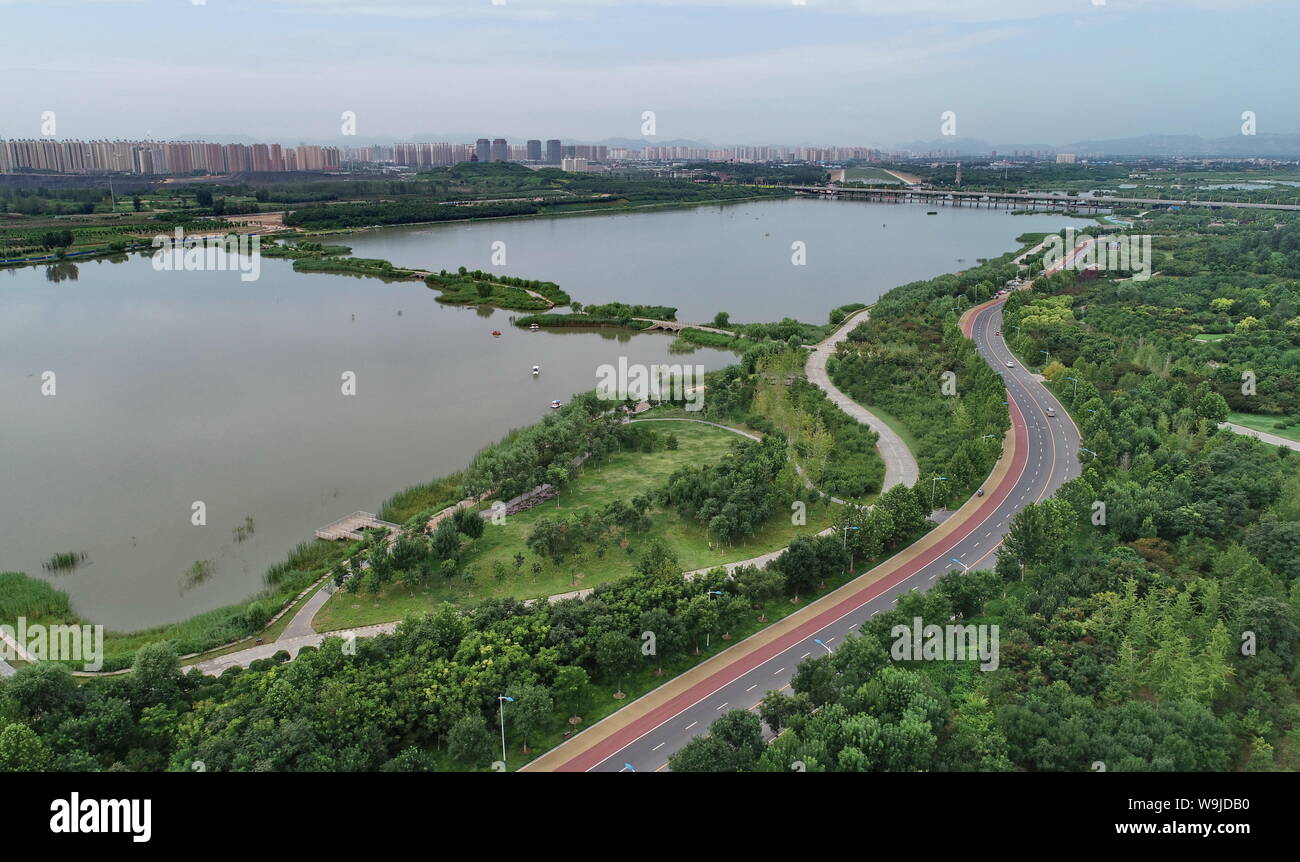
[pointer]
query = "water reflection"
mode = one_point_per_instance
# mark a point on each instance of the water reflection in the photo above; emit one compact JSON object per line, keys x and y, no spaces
{"x":61,"y":271}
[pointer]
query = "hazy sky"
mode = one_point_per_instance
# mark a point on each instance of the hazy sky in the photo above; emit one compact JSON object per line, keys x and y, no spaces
{"x":728,"y":71}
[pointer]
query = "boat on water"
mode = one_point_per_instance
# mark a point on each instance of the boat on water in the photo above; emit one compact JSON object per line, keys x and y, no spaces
{"x":496,"y":333}
{"x":537,"y":369}
{"x":555,"y":405}
{"x":932,"y":212}
{"x":534,"y":327}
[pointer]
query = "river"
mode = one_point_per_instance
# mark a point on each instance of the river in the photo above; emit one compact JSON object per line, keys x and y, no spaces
{"x":177,"y":387}
{"x":734,"y":257}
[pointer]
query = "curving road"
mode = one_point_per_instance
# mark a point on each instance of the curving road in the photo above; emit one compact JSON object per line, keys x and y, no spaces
{"x":1039,"y":455}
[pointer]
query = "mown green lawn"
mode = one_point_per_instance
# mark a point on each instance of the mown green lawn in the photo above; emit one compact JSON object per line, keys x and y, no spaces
{"x":623,"y":476}
{"x":1267,"y":424}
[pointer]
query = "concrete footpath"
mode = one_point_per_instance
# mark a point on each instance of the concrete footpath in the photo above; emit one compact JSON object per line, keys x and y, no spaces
{"x":1262,"y":436}
{"x":900,"y":466}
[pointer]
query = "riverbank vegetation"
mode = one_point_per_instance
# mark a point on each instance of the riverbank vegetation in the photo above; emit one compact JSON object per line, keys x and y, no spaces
{"x":23,"y":595}
{"x":466,"y":287}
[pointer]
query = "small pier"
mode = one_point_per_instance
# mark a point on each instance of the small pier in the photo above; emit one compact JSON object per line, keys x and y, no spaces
{"x":351,"y":526}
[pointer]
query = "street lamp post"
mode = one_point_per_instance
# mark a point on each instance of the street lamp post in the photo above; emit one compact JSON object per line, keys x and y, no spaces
{"x":934,"y":483}
{"x":501,"y":701}
{"x":1074,"y":393}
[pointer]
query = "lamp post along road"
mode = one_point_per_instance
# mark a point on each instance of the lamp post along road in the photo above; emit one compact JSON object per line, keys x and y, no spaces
{"x":501,"y":701}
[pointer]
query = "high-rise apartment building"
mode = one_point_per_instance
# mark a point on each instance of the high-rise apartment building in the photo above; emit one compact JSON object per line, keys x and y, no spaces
{"x":553,"y":152}
{"x":534,"y":151}
{"x":483,"y":149}
{"x":500,"y":150}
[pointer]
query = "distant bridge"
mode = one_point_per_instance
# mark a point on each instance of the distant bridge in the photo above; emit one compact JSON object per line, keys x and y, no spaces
{"x":945,"y":197}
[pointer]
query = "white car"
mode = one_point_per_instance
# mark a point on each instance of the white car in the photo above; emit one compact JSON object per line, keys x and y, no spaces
{"x":1051,"y":413}
{"x":1011,"y":364}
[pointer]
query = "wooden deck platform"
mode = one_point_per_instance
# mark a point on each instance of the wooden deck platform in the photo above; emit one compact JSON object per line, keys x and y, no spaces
{"x":351,"y":526}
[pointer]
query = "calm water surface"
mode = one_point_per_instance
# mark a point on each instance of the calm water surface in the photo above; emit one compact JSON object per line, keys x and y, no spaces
{"x":735,"y":257}
{"x":177,"y":387}
{"x":174,"y":387}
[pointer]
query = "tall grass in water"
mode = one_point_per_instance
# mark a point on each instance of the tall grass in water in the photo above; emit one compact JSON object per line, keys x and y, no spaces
{"x":244,"y":530}
{"x":65,"y":561}
{"x":198,"y":573}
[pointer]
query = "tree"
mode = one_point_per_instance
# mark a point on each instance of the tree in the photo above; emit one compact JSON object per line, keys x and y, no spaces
{"x":698,"y":616}
{"x":759,"y":586}
{"x":810,"y":560}
{"x":21,"y":750}
{"x":1212,"y":408}
{"x":906,"y":511}
{"x":468,"y":522}
{"x":532,"y":707}
{"x":571,"y":689}
{"x":43,"y":690}
{"x":775,"y":708}
{"x":656,"y":558}
{"x":734,"y":744}
{"x":668,"y":632}
{"x":617,"y":655}
{"x":156,"y":674}
{"x":469,"y":740}
{"x":445,"y":543}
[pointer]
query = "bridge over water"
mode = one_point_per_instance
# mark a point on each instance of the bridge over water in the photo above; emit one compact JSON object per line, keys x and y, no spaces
{"x":944,"y":197}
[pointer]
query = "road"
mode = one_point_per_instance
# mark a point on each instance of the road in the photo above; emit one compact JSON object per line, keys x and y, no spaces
{"x":900,"y":466}
{"x":1040,"y":454}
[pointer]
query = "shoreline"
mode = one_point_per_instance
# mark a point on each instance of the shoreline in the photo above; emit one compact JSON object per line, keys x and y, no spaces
{"x":287,"y":605}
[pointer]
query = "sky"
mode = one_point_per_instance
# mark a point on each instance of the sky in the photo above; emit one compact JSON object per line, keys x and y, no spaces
{"x":848,"y":72}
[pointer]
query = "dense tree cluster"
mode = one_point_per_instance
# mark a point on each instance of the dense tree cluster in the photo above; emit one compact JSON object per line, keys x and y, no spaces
{"x":734,"y":497}
{"x":1149,"y":612}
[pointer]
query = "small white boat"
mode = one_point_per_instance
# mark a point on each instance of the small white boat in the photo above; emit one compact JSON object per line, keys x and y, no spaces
{"x":534,"y":327}
{"x":555,"y":405}
{"x":537,"y":369}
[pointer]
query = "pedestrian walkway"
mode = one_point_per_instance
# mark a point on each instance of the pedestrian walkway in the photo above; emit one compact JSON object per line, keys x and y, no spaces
{"x":900,"y":465}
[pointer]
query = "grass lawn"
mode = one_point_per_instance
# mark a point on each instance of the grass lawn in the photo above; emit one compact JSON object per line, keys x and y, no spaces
{"x":623,"y":476}
{"x":1211,"y":336}
{"x":1267,"y":424}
